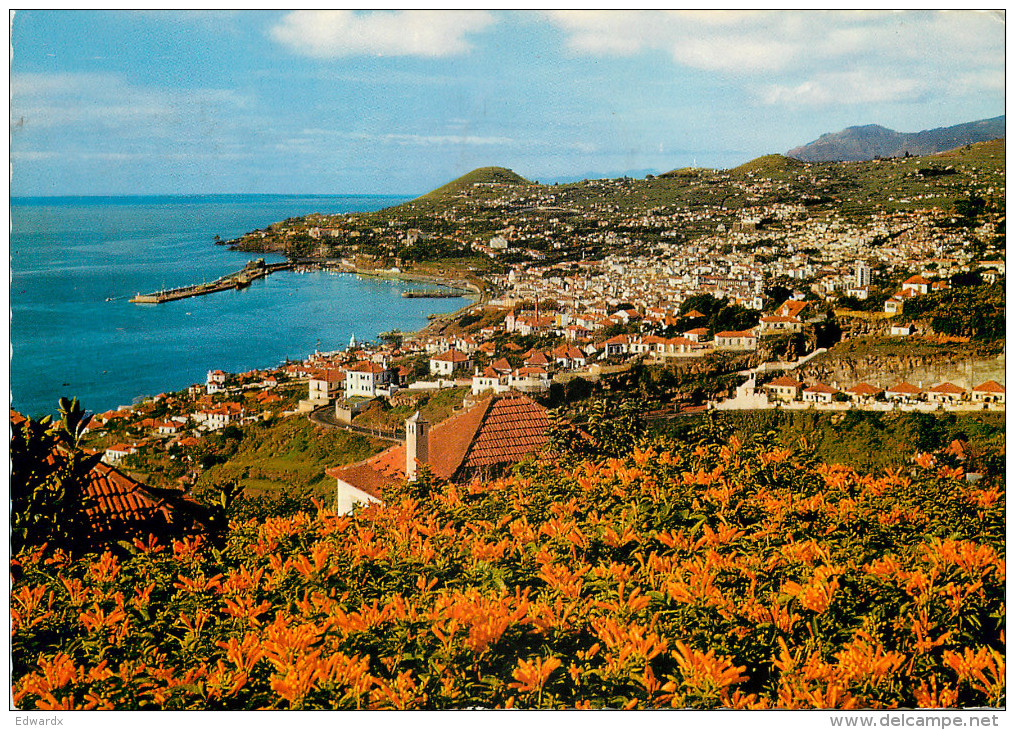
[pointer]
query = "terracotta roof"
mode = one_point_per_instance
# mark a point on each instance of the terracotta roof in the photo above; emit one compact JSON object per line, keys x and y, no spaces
{"x":536,"y":358}
{"x":513,"y":428}
{"x":916,"y":279}
{"x":502,"y":429}
{"x":793,"y":308}
{"x":786,"y":381}
{"x":118,"y":508}
{"x":904,"y":388}
{"x":501,"y":365}
{"x":694,"y":314}
{"x":863,"y":389}
{"x":365,"y":366}
{"x":947,"y":387}
{"x":451,"y":356}
{"x":990,"y":386}
{"x":531,"y":371}
{"x":820,"y":388}
{"x":700,"y":331}
{"x":730,"y":333}
{"x":330,"y":375}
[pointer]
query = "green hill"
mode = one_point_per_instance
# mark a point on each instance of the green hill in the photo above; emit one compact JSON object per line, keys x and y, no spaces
{"x":767,"y":165}
{"x":481,"y":175}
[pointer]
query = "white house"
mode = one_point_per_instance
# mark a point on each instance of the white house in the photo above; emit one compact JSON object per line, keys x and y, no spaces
{"x":946,"y":393}
{"x":916,"y":284}
{"x":326,"y":385}
{"x":989,"y":392}
{"x":733,"y":340}
{"x":448,"y":362}
{"x":369,"y":380}
{"x":819,"y":393}
{"x":115,"y":453}
{"x":215,"y":382}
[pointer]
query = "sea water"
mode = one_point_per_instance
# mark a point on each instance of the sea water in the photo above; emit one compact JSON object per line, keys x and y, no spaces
{"x":75,"y":263}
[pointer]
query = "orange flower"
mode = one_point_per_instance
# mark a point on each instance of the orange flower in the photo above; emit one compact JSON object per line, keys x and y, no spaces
{"x":705,"y":673}
{"x":531,"y":676}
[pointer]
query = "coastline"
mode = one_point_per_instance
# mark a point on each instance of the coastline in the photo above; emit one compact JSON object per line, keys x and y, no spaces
{"x":479,"y":293}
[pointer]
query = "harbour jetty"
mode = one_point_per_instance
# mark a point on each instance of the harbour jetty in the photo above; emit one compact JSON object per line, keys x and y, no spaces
{"x":238,"y":280}
{"x":432,"y":294}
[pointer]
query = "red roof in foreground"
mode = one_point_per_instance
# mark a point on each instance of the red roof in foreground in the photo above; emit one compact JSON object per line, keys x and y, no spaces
{"x":499,"y":430}
{"x":117,"y":507}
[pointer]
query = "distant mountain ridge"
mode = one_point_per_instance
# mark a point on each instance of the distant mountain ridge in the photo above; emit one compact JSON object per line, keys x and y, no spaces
{"x":869,"y":141}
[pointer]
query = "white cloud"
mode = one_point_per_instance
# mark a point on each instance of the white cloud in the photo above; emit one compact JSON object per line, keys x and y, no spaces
{"x":335,"y":33}
{"x":855,"y":87}
{"x":95,"y":102}
{"x":762,"y":42}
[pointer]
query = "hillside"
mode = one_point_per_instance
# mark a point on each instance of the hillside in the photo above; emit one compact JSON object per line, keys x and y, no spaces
{"x":562,"y":222}
{"x":871,"y":141}
{"x":479,"y":176}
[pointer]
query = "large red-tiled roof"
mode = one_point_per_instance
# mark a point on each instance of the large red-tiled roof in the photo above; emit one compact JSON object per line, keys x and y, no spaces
{"x":115,"y":501}
{"x":498,"y":430}
{"x":117,"y":507}
{"x":513,"y":428}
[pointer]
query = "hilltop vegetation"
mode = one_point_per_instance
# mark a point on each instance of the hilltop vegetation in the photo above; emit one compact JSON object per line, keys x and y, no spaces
{"x":701,"y":573}
{"x":479,"y":176}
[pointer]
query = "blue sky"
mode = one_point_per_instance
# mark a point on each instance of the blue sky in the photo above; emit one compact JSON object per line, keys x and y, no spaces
{"x":344,"y":102}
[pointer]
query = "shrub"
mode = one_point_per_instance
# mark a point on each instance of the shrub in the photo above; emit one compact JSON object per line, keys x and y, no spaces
{"x":707,"y":572}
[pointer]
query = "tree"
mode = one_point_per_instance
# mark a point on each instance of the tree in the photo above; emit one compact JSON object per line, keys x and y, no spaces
{"x":48,"y":477}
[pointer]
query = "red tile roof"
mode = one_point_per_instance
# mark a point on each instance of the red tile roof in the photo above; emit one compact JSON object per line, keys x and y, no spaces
{"x":503,"y":429}
{"x":729,"y":333}
{"x":904,"y":388}
{"x":513,"y":428}
{"x":947,"y":387}
{"x":366,"y":367}
{"x":786,"y":381}
{"x":451,"y":356}
{"x":990,"y":386}
{"x":820,"y":388}
{"x":117,"y":507}
{"x":863,"y":389}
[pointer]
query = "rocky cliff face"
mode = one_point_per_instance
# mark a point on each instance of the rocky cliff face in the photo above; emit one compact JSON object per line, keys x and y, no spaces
{"x":921,"y":370}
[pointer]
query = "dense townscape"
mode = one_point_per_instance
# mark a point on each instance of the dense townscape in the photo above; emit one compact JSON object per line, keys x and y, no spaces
{"x":609,"y":331}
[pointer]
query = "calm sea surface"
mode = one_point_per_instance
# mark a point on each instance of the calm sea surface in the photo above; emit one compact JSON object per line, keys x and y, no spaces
{"x":70,"y":255}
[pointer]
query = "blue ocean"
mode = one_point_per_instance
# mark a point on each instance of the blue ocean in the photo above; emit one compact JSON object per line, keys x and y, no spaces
{"x":75,"y":262}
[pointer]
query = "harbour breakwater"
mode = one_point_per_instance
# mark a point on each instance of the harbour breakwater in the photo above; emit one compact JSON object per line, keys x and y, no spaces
{"x":238,"y":280}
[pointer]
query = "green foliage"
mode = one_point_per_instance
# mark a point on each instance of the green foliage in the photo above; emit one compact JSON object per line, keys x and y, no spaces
{"x":48,"y":477}
{"x":972,"y":311}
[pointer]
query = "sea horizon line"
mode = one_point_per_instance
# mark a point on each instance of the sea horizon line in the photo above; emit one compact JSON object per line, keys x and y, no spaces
{"x":125,"y":196}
